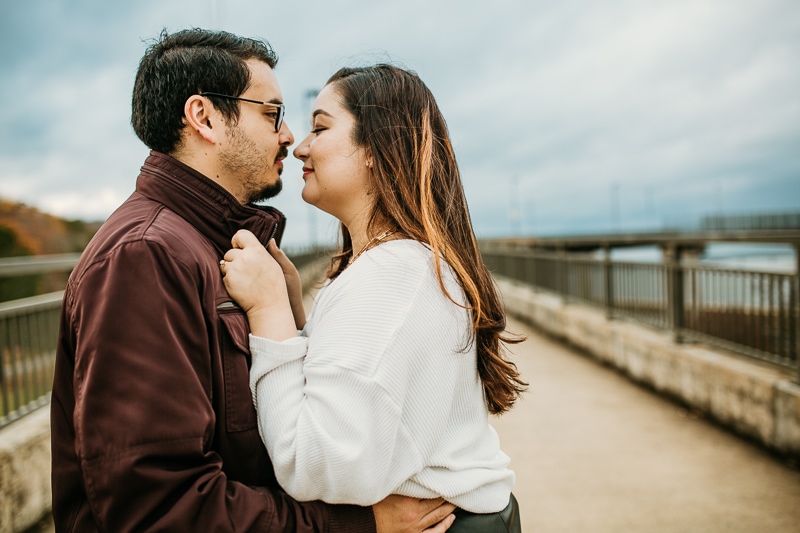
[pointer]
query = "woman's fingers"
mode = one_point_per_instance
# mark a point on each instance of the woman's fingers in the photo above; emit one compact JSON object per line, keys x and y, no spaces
{"x":282,"y":259}
{"x":272,"y":248}
{"x":244,"y":238}
{"x":247,"y":248}
{"x":231,"y":254}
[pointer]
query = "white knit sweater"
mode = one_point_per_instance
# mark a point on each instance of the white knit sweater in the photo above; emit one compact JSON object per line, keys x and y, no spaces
{"x":379,"y":396}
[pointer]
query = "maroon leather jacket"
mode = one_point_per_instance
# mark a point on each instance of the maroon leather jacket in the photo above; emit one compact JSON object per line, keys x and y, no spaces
{"x":153,"y":427}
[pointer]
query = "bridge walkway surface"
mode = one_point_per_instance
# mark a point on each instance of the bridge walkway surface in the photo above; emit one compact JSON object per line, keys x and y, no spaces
{"x":594,"y":452}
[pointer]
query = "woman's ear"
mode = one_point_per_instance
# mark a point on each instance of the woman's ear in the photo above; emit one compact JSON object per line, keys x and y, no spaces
{"x":368,"y":156}
{"x":197,"y":112}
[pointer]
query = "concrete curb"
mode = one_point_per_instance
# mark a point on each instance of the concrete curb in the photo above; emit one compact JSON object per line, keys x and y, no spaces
{"x":25,"y":471}
{"x":752,"y":399}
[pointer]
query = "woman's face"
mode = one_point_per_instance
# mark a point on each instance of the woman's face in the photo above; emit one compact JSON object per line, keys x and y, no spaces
{"x":334,"y":168}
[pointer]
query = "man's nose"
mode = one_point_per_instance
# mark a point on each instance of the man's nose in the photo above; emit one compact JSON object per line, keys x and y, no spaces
{"x":285,"y":135}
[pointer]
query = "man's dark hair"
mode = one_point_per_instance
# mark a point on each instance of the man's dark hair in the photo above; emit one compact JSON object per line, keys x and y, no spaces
{"x":176,"y":66}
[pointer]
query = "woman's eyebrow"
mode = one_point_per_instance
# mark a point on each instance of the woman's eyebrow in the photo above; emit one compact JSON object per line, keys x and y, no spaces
{"x":320,"y":112}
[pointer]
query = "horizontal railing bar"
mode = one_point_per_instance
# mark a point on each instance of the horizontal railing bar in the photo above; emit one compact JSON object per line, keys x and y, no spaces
{"x":25,"y":409}
{"x":37,"y":264}
{"x":554,"y":256}
{"x":741,"y":349}
{"x":41,"y":264}
{"x":664,"y":238}
{"x":14,"y":307}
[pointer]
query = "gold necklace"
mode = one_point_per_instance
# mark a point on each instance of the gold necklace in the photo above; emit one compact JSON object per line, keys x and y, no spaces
{"x":371,"y":244}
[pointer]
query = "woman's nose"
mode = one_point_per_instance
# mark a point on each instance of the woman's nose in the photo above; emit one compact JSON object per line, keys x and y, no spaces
{"x":301,"y":151}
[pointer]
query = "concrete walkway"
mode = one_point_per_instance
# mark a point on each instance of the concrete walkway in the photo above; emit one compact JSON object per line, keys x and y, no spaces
{"x":595,"y":453}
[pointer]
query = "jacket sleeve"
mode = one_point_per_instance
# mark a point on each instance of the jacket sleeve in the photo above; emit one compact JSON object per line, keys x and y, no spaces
{"x":143,"y":416}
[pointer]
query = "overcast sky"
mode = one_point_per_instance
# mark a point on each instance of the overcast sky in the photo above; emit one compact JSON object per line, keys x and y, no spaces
{"x":578,"y":116}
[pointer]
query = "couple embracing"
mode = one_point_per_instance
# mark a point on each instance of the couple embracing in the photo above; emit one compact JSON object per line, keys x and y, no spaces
{"x":371,"y":413}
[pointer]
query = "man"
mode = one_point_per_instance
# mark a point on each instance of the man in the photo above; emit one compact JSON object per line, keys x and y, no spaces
{"x":153,"y":428}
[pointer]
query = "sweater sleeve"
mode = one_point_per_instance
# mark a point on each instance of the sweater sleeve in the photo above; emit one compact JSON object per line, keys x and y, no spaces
{"x":331,"y":422}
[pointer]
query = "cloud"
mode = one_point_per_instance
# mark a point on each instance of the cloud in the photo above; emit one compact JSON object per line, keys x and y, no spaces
{"x":645,"y":96}
{"x":664,"y":110}
{"x":78,"y":156}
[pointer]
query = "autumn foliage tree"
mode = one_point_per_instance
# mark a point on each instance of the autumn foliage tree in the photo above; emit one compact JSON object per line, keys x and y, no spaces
{"x":25,"y":231}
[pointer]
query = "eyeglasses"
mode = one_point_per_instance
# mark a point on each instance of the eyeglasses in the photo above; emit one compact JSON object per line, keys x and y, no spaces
{"x":278,"y":117}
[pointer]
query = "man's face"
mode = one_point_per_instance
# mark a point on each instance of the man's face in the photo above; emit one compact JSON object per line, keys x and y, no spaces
{"x":253,"y":151}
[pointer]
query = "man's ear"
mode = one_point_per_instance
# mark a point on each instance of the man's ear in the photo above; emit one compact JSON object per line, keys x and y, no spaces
{"x":197,"y":112}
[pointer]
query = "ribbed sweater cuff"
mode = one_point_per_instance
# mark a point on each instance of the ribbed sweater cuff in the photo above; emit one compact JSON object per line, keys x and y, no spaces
{"x":268,"y":355}
{"x":350,"y":519}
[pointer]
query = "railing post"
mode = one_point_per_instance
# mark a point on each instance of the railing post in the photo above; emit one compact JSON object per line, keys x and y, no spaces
{"x":530,"y":267}
{"x":608,"y":268}
{"x":562,"y":276}
{"x":675,"y":290}
{"x":796,"y":310}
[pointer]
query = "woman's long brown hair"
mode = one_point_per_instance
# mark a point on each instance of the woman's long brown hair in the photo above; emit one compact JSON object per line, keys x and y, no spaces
{"x":418,"y":192}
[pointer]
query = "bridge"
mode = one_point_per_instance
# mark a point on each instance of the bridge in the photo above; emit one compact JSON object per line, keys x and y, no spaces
{"x":664,"y":396}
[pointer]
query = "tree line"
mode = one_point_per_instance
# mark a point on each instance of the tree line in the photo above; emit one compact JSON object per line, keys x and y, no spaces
{"x":27,"y":231}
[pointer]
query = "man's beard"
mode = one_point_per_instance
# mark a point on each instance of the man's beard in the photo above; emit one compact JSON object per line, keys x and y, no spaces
{"x":270,"y":191}
{"x":242,"y":158}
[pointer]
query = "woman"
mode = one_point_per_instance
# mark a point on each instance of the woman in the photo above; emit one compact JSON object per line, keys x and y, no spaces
{"x":389,"y":386}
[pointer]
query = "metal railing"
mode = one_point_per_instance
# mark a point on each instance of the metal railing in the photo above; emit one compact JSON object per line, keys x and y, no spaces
{"x":28,"y":336}
{"x":754,"y":221}
{"x":753,"y":313}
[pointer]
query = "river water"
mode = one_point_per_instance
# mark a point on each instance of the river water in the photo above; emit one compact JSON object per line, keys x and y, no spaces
{"x":757,"y":257}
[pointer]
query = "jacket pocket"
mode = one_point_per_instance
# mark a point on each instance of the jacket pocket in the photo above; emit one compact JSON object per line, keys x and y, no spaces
{"x":240,"y":415}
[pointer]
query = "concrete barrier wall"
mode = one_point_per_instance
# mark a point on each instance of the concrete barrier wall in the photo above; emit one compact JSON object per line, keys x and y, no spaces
{"x":25,"y":471}
{"x":753,"y":399}
{"x":25,"y":489}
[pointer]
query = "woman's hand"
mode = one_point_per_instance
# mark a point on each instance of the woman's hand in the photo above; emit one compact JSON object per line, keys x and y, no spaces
{"x":293,"y":283}
{"x":257,"y":282}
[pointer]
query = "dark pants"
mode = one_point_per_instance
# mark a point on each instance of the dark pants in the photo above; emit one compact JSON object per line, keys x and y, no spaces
{"x":505,"y":521}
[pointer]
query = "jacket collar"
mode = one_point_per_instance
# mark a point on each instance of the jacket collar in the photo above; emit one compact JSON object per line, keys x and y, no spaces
{"x":204,"y":204}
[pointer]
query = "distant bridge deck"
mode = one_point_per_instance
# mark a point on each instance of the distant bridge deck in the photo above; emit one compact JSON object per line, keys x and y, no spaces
{"x":594,"y":452}
{"x":665,"y":239}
